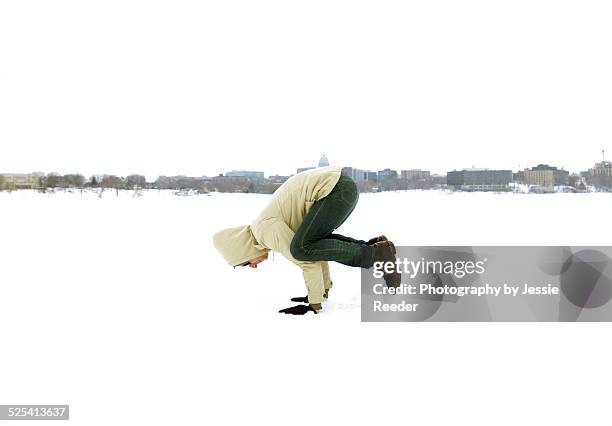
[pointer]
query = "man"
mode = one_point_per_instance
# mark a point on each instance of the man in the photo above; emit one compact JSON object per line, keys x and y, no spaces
{"x":298,"y":222}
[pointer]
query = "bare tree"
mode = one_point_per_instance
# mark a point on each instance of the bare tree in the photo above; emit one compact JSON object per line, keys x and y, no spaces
{"x":135,"y":181}
{"x":74,"y":180}
{"x":52,"y":180}
{"x":111,"y":181}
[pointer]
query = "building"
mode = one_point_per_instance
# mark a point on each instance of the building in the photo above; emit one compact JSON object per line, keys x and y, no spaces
{"x":246,"y":174}
{"x":602,"y":169}
{"x":387,"y":174}
{"x":519,"y":176}
{"x":475,"y":179}
{"x":414,"y":174}
{"x":438,"y":179}
{"x":545,"y":175}
{"x":372,"y":176}
{"x":347,"y":171}
{"x":222,"y":178}
{"x":323,"y":162}
{"x":358,"y":175}
{"x":600,"y":175}
{"x":19,"y":180}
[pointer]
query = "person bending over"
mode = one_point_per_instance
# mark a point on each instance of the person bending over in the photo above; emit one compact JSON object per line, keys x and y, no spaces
{"x":299,"y":222}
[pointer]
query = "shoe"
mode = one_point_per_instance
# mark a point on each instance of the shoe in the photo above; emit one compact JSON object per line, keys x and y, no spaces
{"x":375,"y":240}
{"x":384,"y":251}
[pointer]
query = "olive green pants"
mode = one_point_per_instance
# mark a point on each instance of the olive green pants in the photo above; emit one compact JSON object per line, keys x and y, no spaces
{"x":315,"y":240}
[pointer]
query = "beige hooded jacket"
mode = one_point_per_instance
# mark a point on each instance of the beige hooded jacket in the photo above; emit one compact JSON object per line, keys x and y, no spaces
{"x":275,"y":226}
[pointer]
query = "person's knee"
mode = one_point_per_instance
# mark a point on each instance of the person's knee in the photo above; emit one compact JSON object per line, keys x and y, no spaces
{"x":350,"y":194}
{"x":298,"y":251}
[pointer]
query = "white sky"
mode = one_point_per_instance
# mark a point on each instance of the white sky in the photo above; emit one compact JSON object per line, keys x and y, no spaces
{"x":198,"y":88}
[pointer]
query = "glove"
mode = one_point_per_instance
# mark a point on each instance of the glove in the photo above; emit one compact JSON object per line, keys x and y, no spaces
{"x":376,"y":240}
{"x":297,"y":310}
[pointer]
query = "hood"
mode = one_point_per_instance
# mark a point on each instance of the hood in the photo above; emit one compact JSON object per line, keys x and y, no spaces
{"x":237,"y":245}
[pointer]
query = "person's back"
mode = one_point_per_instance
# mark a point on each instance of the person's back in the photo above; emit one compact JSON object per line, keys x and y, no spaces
{"x":294,"y":198}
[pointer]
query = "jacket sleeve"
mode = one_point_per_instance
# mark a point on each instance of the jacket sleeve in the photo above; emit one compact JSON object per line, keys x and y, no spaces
{"x":277,"y":236}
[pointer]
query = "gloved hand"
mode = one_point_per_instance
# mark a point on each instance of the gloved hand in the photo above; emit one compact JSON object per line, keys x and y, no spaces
{"x":297,"y":310}
{"x":376,"y":240}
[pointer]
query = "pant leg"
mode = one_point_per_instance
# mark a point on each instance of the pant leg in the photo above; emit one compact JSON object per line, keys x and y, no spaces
{"x":348,"y":239}
{"x":326,"y":277}
{"x":313,"y":241}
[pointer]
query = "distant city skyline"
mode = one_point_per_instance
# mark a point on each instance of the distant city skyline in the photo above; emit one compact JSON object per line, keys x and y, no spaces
{"x":285,"y":171}
{"x":542,"y":178}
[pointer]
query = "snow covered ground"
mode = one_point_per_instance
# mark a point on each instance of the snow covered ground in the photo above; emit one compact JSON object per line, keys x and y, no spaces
{"x":121,"y":307}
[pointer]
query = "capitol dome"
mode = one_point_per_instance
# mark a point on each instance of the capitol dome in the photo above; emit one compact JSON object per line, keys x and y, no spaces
{"x":323,"y":162}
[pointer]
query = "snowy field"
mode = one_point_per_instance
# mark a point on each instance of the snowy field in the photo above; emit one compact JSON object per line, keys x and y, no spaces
{"x":121,"y":307}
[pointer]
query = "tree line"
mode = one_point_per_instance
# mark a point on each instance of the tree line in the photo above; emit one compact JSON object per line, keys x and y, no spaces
{"x":54,"y":180}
